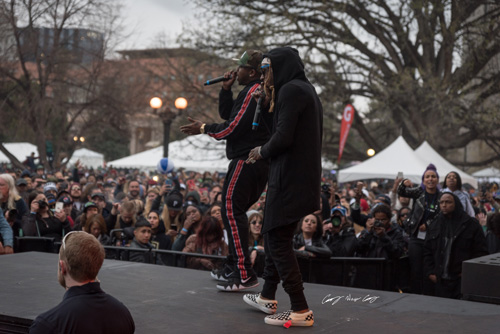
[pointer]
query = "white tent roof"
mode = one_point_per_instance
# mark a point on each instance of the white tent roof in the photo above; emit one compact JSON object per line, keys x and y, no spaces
{"x":199,"y":153}
{"x":196,"y":153}
{"x":88,"y":158}
{"x":487,"y":172}
{"x":397,"y":157}
{"x":490,"y":174}
{"x":429,"y":155}
{"x":19,"y":150}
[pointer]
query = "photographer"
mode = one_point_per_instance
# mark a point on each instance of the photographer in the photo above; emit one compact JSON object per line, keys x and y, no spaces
{"x":338,"y":235}
{"x":381,"y":238}
{"x":42,"y":222}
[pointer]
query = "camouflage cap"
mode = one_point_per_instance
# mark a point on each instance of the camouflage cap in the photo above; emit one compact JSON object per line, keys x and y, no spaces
{"x":250,"y":58}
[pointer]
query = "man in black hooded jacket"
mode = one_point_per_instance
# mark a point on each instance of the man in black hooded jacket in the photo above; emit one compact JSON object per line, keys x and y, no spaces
{"x":294,"y":179}
{"x":454,"y":237}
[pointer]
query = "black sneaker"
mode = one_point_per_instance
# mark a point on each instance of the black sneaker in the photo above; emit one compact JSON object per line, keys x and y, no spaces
{"x":222,"y":274}
{"x":238,"y":284}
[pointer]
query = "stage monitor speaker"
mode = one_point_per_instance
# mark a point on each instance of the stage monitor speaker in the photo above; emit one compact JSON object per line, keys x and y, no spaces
{"x":480,"y":279}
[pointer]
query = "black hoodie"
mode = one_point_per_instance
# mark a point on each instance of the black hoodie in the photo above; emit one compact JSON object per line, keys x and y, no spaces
{"x":294,"y":148}
{"x":450,"y":240}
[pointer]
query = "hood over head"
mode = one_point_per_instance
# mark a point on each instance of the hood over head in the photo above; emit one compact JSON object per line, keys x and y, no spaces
{"x":286,"y":65}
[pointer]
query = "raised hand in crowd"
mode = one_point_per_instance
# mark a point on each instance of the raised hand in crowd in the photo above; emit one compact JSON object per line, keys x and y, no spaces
{"x":116,"y":209}
{"x":61,"y":215}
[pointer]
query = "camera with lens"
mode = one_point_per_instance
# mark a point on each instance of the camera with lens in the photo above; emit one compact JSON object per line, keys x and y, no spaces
{"x":42,"y":204}
{"x":378,"y":223}
{"x":335,"y":220}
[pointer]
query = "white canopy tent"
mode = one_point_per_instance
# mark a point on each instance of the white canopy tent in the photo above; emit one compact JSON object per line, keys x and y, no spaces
{"x":19,"y":150}
{"x":490,"y":174}
{"x":87,"y":158}
{"x":399,"y":157}
{"x":199,"y":153}
{"x":395,"y":158}
{"x":429,"y":155}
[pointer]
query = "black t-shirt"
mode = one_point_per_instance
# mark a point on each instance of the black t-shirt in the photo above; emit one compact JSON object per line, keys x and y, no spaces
{"x":85,"y":309}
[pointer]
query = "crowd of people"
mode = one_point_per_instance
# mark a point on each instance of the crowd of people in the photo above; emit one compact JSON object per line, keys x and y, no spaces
{"x":428,"y":223}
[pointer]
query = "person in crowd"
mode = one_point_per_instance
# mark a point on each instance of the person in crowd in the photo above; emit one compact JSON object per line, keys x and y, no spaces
{"x":308,"y":241}
{"x":85,"y":308}
{"x":151,"y":195}
{"x":402,"y":217}
{"x":104,"y":207}
{"x":297,"y":135}
{"x":159,"y":239}
{"x":398,"y":201}
{"x":22,"y":188}
{"x":37,"y":183}
{"x":382,"y":239}
{"x":134,"y":190}
{"x":141,"y":240}
{"x":50,"y":188}
{"x":243,"y":182}
{"x":191,"y":218}
{"x":453,"y":183}
{"x":76,"y":196}
{"x":453,"y":238}
{"x":42,"y":222}
{"x":493,"y":233}
{"x":207,"y":240}
{"x":425,"y":210}
{"x":171,"y":213}
{"x":215,"y":211}
{"x":255,"y":237}
{"x":122,"y":215}
{"x":68,"y":208}
{"x":338,"y":235}
{"x":10,"y":202}
{"x":6,"y":236}
{"x":89,"y":209}
{"x":214,"y":193}
{"x":96,"y":226}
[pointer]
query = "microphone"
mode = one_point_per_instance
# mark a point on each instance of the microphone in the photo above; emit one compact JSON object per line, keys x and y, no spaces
{"x":216,"y":80}
{"x":256,"y":116}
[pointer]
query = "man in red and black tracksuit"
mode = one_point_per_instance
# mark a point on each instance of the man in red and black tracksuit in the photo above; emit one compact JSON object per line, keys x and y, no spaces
{"x":244,"y":183}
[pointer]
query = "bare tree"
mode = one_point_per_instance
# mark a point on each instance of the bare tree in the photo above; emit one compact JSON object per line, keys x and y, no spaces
{"x":54,"y":80}
{"x":425,"y":66}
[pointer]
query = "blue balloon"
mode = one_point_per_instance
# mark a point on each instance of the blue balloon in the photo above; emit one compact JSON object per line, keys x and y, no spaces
{"x":165,"y":166}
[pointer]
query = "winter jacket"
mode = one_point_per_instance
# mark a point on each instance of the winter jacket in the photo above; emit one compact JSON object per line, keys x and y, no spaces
{"x":237,"y":127}
{"x":418,"y":212}
{"x":390,"y":246}
{"x":294,"y":148}
{"x":443,"y":255}
{"x":318,"y":248}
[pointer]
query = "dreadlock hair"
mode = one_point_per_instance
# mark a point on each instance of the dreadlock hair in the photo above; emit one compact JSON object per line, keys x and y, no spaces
{"x":269,"y":89}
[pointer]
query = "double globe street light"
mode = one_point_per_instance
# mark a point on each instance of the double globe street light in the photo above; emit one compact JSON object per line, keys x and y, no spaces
{"x":167,"y":115}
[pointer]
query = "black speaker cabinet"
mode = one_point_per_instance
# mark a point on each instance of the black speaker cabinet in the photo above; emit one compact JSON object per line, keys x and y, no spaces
{"x":481,"y":279}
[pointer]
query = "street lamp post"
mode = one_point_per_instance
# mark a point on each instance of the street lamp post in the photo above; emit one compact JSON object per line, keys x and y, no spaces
{"x":167,"y":116}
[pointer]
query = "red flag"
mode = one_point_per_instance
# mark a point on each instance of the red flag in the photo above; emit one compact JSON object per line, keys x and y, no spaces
{"x":347,"y":118}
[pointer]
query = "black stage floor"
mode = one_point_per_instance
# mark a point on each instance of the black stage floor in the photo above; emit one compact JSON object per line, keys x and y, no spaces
{"x":173,"y":300}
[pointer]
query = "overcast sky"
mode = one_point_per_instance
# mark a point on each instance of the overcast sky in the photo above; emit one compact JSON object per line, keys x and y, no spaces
{"x":146,"y":19}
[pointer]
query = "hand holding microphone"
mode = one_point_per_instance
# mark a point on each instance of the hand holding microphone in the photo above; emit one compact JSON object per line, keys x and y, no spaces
{"x":227,"y":80}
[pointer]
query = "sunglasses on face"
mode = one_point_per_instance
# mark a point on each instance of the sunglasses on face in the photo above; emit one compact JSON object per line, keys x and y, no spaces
{"x":255,"y":222}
